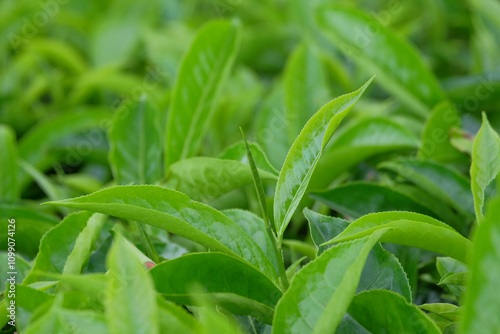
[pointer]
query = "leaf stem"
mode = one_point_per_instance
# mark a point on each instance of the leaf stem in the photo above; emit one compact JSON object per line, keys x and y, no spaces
{"x":270,"y":228}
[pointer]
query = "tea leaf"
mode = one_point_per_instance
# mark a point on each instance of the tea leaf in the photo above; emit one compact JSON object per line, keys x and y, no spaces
{"x":205,"y":179}
{"x":396,"y":316}
{"x":409,"y":229}
{"x":135,"y":144}
{"x":176,"y":213}
{"x":357,"y":199}
{"x":227,"y":281}
{"x":305,"y":88}
{"x":131,"y":307}
{"x":376,"y":49}
{"x":482,"y":302}
{"x":203,"y":70}
{"x":66,"y":247}
{"x":485,"y":164}
{"x":321,"y":292}
{"x":305,"y":153}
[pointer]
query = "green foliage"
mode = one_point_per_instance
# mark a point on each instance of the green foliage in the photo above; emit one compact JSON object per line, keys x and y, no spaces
{"x":357,"y":207}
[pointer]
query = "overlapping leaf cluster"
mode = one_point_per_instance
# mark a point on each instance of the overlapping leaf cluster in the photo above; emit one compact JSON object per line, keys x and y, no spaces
{"x":361,"y":206}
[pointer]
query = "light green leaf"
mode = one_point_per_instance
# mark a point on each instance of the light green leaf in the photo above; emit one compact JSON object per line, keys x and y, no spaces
{"x":321,"y":292}
{"x":238,"y":152}
{"x":135,"y":140}
{"x":9,"y":189}
{"x":409,"y":229}
{"x":176,"y":213}
{"x":436,"y":134}
{"x":31,"y":225}
{"x":305,"y":153}
{"x":27,"y":300}
{"x":485,"y":164}
{"x":357,"y":199}
{"x":132,"y":306}
{"x":66,"y":247}
{"x":438,"y":181}
{"x":482,"y":301}
{"x":305,"y":88}
{"x":255,"y":227}
{"x":35,"y":146}
{"x":447,"y":267}
{"x":58,"y":320}
{"x":377,"y":49}
{"x":361,"y":141}
{"x":174,"y":319}
{"x":395,"y":317}
{"x":202,"y":72}
{"x":228,"y":281}
{"x":205,"y":179}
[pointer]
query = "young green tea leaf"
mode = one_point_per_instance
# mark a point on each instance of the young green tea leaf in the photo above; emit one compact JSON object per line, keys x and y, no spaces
{"x":409,"y":229}
{"x":66,"y":247}
{"x":176,"y":213}
{"x":132,"y":306}
{"x":305,"y":88}
{"x":377,"y":49}
{"x":229,"y":282}
{"x":202,"y":72}
{"x":395,"y":317}
{"x":357,"y":199}
{"x":322,"y":291}
{"x":482,"y":302}
{"x":305,"y":153}
{"x":9,"y":189}
{"x":135,"y":153}
{"x":205,"y":179}
{"x":485,"y":164}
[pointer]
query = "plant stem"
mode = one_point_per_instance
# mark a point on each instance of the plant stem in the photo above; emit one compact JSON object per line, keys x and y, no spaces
{"x":146,"y":242}
{"x":279,"y":258}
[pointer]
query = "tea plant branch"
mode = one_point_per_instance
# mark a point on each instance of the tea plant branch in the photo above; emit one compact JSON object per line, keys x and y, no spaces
{"x":270,"y":228}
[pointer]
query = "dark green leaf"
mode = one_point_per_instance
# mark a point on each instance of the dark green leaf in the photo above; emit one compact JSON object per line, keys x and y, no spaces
{"x":357,"y":199}
{"x":382,"y":311}
{"x":228,"y":281}
{"x":321,"y":292}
